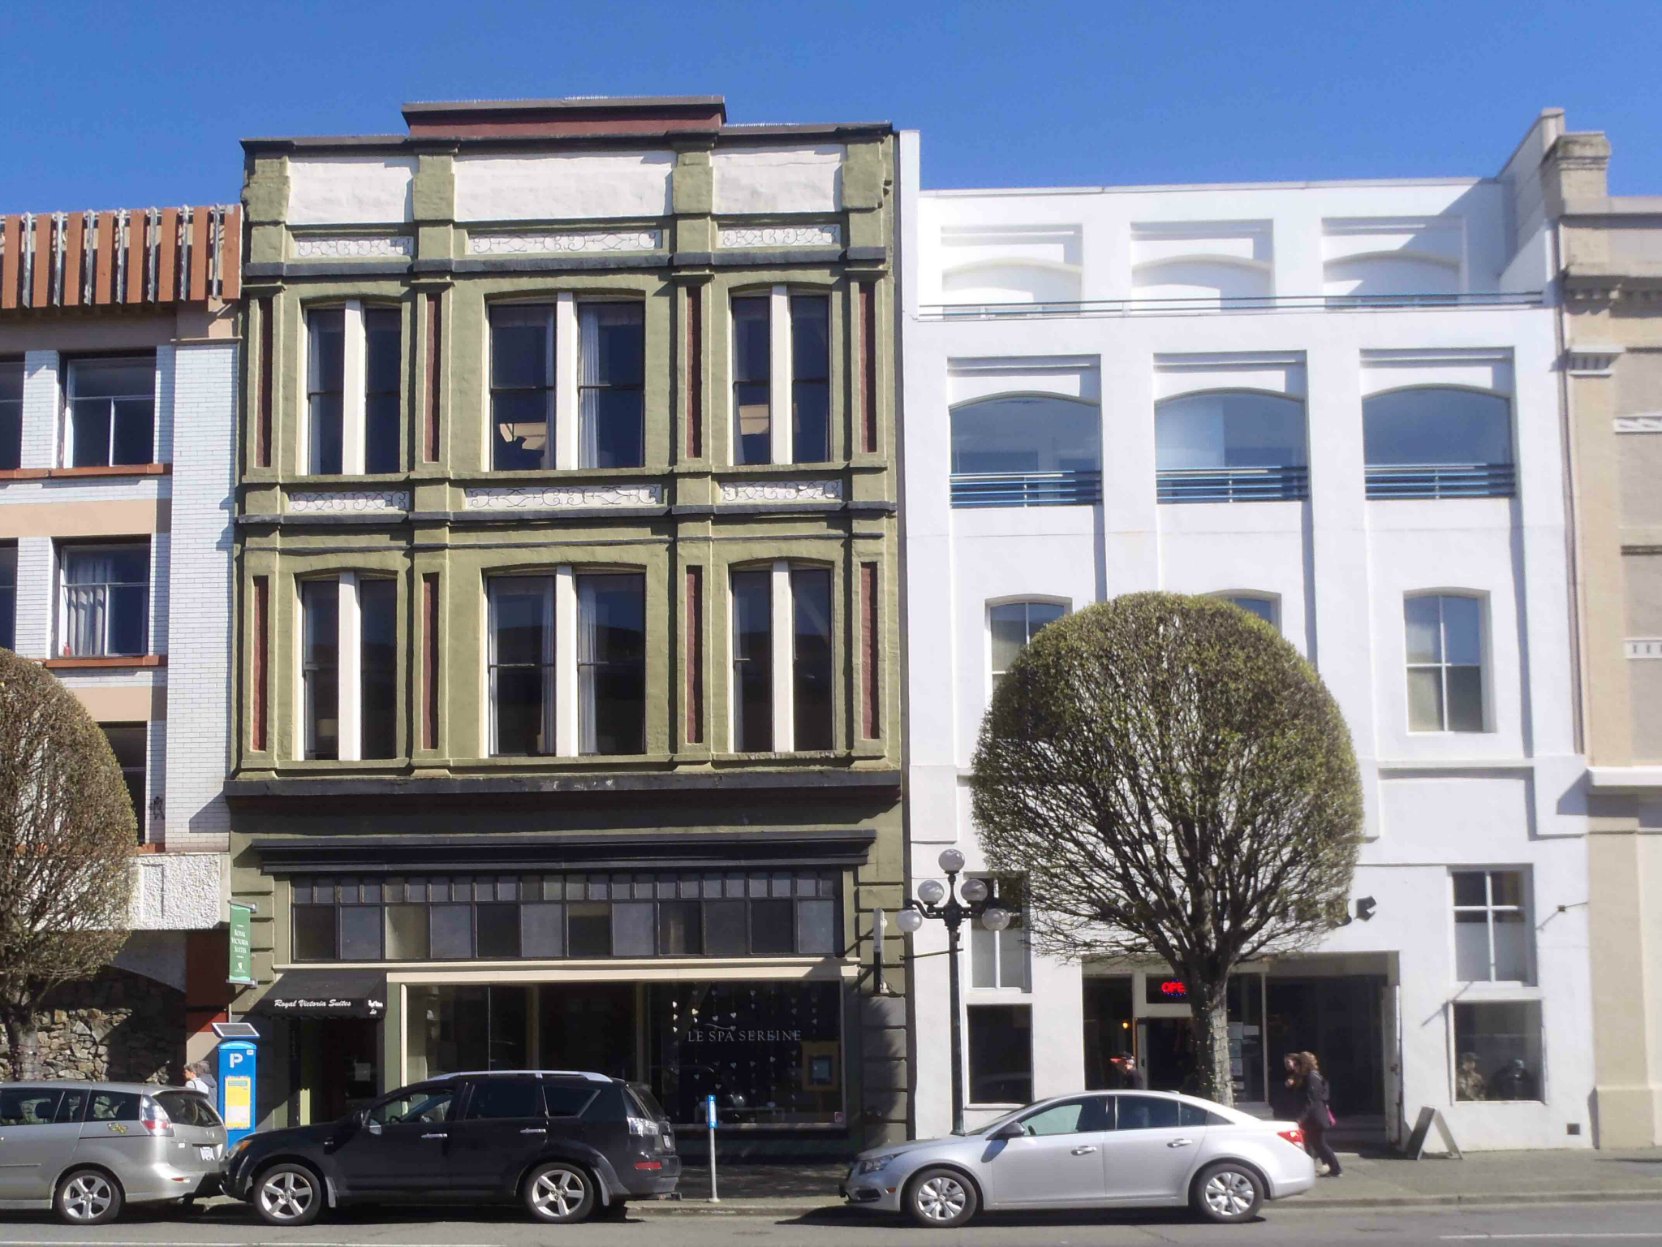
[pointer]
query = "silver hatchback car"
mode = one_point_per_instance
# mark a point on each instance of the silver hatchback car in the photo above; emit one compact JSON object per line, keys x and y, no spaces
{"x":1142,"y":1149}
{"x":86,"y":1149}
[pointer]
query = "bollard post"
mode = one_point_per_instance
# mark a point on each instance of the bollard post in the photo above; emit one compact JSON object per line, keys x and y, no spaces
{"x":710,"y":1122}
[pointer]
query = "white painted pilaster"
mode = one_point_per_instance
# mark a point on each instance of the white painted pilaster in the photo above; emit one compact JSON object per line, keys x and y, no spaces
{"x":566,"y":375}
{"x":41,"y":406}
{"x":351,"y":670}
{"x":779,"y":382}
{"x":353,"y":378}
{"x":36,"y":596}
{"x":784,"y":659}
{"x":566,"y":737}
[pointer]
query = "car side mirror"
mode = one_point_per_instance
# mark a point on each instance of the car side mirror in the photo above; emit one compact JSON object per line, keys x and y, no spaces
{"x":1014,"y":1130}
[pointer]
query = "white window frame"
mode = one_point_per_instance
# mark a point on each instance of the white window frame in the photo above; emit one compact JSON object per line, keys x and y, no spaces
{"x":354,"y":429}
{"x":348,"y":663}
{"x":1028,"y":599}
{"x":66,"y":418}
{"x":67,"y":551}
{"x":1485,"y":666}
{"x":575,"y":422}
{"x":1489,"y":909}
{"x":781,"y":364}
{"x":1017,"y":930}
{"x":782,"y":667}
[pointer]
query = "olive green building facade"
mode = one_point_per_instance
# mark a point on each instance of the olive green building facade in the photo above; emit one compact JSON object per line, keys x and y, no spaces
{"x":567,"y":620}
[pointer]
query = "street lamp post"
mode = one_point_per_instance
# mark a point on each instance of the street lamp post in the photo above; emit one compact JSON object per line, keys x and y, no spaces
{"x":942,"y":901}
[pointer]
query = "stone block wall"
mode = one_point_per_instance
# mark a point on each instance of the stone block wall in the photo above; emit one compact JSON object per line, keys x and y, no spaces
{"x":119,"y":1027}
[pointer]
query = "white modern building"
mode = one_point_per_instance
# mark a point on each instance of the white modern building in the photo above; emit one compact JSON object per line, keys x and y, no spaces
{"x":1337,"y":404}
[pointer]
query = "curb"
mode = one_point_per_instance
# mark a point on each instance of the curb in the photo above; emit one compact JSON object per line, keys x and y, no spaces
{"x":649,"y":1209}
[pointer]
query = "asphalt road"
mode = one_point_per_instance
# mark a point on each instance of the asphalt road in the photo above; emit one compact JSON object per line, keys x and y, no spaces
{"x":1534,"y":1226}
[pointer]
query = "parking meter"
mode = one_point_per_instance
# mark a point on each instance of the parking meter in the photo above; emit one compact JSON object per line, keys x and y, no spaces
{"x":238,"y":1080}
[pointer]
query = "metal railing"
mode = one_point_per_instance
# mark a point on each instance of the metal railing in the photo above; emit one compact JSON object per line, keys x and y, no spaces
{"x":1442,"y":480}
{"x":1213,"y":303}
{"x":1278,"y":484}
{"x":1027,"y":489}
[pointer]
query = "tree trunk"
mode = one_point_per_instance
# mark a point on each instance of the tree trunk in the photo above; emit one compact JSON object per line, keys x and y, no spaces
{"x":1213,"y":1076}
{"x":22,"y":1043}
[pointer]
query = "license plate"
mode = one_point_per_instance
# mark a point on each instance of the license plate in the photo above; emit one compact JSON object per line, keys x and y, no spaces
{"x":207,"y":1153}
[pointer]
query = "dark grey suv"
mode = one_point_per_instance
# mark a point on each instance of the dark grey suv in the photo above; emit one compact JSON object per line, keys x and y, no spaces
{"x":562,"y":1143}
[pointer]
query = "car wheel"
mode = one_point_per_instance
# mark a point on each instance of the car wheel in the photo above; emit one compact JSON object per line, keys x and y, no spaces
{"x":559,"y":1193}
{"x":941,"y":1199}
{"x":88,"y":1197}
{"x":288,"y":1195}
{"x":1227,"y":1192}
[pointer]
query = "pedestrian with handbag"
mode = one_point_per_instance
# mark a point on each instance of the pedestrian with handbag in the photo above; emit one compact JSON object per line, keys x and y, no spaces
{"x":1315,"y":1115}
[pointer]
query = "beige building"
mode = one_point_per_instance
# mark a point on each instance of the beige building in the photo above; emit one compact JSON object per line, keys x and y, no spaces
{"x":1609,"y":261}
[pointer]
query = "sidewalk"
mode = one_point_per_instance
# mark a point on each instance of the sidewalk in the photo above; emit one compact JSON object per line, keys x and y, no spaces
{"x":1377,"y":1180}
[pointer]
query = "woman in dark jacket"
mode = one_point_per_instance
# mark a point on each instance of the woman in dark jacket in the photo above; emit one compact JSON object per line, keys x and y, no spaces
{"x":1314,"y":1115}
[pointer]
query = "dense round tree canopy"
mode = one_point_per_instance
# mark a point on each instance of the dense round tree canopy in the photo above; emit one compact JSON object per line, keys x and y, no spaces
{"x":66,"y":842}
{"x":1175,"y":782}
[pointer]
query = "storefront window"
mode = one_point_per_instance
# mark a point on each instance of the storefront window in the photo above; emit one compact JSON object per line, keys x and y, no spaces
{"x":1000,"y":1054}
{"x":770,"y":1053}
{"x":1497,"y":1049}
{"x":738,"y":914}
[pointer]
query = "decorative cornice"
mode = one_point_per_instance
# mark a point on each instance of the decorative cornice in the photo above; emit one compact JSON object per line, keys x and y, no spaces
{"x":349,"y":501}
{"x":1643,"y":647}
{"x":1648,"y":422}
{"x":564,"y":497}
{"x":782,"y":491}
{"x":728,"y":236}
{"x":546,"y":242}
{"x":355,"y":247}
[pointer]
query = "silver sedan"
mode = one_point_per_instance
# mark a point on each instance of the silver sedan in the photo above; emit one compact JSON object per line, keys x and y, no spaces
{"x":1142,"y":1149}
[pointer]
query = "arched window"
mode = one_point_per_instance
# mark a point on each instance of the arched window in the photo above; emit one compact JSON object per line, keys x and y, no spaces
{"x":1230,"y":446}
{"x":1264,"y":605}
{"x":1026,"y":450}
{"x":1438,"y":442}
{"x":1011,"y":625}
{"x":1444,"y":635}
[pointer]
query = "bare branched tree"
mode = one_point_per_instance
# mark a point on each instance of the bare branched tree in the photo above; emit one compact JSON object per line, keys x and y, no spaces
{"x":66,"y":844}
{"x":1175,"y":782}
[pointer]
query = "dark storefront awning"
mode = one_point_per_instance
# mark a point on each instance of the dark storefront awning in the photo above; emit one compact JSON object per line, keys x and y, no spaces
{"x":324,"y":993}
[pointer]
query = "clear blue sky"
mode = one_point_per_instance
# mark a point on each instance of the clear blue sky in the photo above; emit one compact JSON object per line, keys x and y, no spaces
{"x":131,"y":104}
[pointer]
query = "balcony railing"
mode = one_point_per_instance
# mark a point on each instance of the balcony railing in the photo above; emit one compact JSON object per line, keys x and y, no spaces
{"x":1283,"y":484}
{"x":1027,"y":489}
{"x":1443,"y":480}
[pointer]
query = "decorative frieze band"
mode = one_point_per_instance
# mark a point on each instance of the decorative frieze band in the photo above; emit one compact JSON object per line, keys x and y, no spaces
{"x":564,"y":497}
{"x":779,"y":236}
{"x":1647,"y":422}
{"x":1644,"y":647}
{"x":355,"y":247}
{"x":550,"y":242}
{"x":350,"y":502}
{"x":782,"y":491}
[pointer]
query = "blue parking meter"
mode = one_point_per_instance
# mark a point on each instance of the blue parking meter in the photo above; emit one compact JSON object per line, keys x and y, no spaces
{"x":238,"y":1080}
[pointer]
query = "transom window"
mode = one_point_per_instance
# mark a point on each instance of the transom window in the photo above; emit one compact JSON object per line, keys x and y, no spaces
{"x":1438,"y":442}
{"x":1019,"y":450}
{"x":801,"y":371}
{"x":111,"y":412}
{"x":1491,"y":936}
{"x":1445,"y":663}
{"x":1011,"y":625}
{"x":1230,"y":446}
{"x":595,"y":915}
{"x":105,"y":610}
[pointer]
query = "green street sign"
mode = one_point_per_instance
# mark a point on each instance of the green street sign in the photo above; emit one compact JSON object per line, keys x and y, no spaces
{"x":241,"y":945}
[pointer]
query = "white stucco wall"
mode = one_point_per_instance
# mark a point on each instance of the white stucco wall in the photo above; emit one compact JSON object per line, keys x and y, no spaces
{"x":540,"y":186}
{"x":1339,"y":564}
{"x":350,"y":190}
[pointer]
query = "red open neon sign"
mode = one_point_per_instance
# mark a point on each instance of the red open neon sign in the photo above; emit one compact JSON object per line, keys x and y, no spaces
{"x":1173,"y":989}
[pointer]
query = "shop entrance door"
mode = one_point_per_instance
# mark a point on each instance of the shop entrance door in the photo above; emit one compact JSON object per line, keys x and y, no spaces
{"x":339,"y":1057}
{"x":1339,"y":1019}
{"x":1168,"y":1052}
